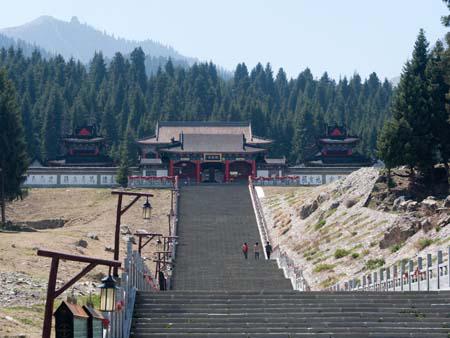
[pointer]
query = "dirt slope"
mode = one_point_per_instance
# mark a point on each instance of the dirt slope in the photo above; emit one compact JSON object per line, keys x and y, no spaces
{"x":330,"y":232}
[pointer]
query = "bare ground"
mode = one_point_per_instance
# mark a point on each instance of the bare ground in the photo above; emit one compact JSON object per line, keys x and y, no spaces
{"x":23,"y":274}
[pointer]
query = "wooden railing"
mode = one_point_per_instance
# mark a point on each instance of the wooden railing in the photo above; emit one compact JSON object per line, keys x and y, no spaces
{"x":136,"y":276}
{"x":408,"y":275}
{"x":291,"y":271}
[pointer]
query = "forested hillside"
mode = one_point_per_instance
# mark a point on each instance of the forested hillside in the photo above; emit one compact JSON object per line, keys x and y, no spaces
{"x":80,"y":41}
{"x":57,"y":95}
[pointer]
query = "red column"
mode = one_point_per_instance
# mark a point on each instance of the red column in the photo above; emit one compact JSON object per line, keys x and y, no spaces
{"x":197,"y":171}
{"x":253,"y":168}
{"x":170,"y":167}
{"x":227,"y":171}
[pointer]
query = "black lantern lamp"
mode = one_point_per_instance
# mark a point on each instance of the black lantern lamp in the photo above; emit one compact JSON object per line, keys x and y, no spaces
{"x":108,"y":294}
{"x":146,"y":210}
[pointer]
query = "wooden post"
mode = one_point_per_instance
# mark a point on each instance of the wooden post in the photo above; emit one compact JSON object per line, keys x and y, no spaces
{"x":227,"y":171}
{"x":117,"y":233}
{"x":46,"y":331}
{"x":170,"y":167}
{"x":197,"y":171}
{"x":52,"y":293}
{"x":2,"y":196}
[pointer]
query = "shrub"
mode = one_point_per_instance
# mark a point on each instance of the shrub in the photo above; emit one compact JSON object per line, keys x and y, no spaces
{"x":339,"y":253}
{"x":366,"y":252}
{"x":354,"y":233}
{"x":324,"y":267}
{"x":319,"y":224}
{"x":329,"y":282}
{"x":375,"y":263}
{"x":372,"y":244}
{"x":396,"y":247}
{"x":355,"y":255}
{"x":424,"y":242}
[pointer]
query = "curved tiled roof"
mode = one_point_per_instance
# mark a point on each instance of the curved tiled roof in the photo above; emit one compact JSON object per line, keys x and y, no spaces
{"x":168,"y":130}
{"x":201,"y":143}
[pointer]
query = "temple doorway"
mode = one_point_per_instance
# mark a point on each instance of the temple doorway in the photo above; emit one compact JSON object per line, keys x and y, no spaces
{"x":185,"y":170}
{"x":212,"y":172}
{"x":240,"y":170}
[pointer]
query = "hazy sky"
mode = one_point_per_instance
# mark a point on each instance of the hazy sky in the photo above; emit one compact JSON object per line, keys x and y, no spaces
{"x":340,"y":37}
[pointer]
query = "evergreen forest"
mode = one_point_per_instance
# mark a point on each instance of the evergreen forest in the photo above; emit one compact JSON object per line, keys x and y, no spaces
{"x":56,"y":95}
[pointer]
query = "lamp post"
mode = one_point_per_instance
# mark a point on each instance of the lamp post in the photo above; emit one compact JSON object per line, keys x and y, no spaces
{"x":52,"y":292}
{"x":108,"y":292}
{"x":146,"y":210}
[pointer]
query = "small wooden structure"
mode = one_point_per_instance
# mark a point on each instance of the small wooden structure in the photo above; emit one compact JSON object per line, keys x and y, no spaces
{"x":71,"y":321}
{"x":95,"y":322}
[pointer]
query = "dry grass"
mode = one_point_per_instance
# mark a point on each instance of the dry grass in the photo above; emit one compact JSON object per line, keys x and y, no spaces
{"x":84,"y":211}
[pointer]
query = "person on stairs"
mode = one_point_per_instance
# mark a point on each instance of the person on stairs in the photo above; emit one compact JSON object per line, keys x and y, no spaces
{"x":268,"y":250}
{"x":245,"y":250}
{"x":256,"y":250}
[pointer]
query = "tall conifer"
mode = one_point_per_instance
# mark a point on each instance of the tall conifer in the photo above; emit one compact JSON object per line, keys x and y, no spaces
{"x":13,"y":156}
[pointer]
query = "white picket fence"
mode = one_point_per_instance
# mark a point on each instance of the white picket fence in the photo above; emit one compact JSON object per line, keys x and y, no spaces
{"x":411,"y":275}
{"x":136,"y":276}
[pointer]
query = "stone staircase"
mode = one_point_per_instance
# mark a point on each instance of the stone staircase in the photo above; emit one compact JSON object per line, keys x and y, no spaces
{"x":219,"y":294}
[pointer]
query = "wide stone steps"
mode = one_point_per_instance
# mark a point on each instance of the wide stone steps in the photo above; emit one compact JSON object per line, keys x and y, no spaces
{"x":219,"y":294}
{"x":214,"y":222}
{"x":264,"y":314}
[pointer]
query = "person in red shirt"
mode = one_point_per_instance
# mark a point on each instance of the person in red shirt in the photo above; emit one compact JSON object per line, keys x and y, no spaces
{"x":245,"y":250}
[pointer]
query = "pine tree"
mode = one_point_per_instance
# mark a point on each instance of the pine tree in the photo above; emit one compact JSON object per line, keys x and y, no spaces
{"x":51,"y":127}
{"x":13,"y":156}
{"x":446,"y":18}
{"x":438,"y":89}
{"x":128,"y":157}
{"x":411,"y":107}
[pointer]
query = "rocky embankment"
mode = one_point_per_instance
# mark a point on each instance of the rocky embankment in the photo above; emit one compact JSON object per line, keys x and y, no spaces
{"x":337,"y":231}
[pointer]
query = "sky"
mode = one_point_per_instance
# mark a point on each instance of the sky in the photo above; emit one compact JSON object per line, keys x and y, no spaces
{"x":340,"y":37}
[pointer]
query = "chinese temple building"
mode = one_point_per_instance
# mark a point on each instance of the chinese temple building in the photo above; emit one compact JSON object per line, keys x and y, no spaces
{"x":206,"y":151}
{"x":336,"y":148}
{"x":84,"y":148}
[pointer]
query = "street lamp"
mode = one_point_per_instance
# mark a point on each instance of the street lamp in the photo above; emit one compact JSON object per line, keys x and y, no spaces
{"x":108,"y":294}
{"x":146,"y":210}
{"x":120,"y":211}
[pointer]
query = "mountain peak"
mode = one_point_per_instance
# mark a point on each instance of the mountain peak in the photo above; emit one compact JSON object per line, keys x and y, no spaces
{"x":81,"y":41}
{"x":74,"y":20}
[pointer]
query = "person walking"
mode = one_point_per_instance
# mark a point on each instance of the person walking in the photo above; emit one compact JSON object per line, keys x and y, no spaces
{"x":245,"y":250}
{"x":268,"y":250}
{"x":256,"y":250}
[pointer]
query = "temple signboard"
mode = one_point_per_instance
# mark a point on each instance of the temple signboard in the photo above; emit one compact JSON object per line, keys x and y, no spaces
{"x":212,"y":157}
